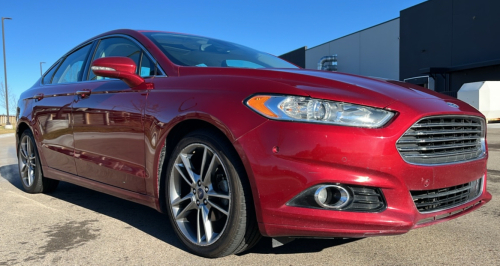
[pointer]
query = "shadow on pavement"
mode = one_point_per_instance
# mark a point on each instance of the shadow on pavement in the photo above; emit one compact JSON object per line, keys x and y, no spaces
{"x":141,"y":217}
{"x":11,"y":174}
{"x":154,"y":223}
{"x":301,"y":245}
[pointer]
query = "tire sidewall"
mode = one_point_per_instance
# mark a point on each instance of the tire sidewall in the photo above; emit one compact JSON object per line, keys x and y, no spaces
{"x":233,"y":224}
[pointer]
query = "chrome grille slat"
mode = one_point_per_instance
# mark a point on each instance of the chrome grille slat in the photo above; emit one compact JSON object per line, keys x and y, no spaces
{"x":442,"y":140}
{"x":440,"y":154}
{"x":448,"y":125}
{"x":442,"y":193}
{"x":439,"y":147}
{"x":454,"y":199}
{"x":442,"y":132}
{"x":445,"y":198}
{"x":415,"y":140}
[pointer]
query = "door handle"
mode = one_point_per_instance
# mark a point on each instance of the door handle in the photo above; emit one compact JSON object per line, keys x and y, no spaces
{"x":83,"y":93}
{"x":38,"y":96}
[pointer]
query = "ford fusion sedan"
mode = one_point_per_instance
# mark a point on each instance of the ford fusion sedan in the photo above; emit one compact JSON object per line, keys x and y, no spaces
{"x":233,"y":144}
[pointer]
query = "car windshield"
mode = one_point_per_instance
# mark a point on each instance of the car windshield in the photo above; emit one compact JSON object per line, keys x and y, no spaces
{"x":188,"y":50}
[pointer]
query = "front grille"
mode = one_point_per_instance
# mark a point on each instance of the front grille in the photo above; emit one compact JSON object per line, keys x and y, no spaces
{"x":443,"y":139}
{"x":445,"y":198}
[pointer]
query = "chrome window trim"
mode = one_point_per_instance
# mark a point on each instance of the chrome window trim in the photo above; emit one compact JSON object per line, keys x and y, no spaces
{"x":61,"y":60}
{"x":102,"y":80}
{"x":483,"y":139}
{"x":456,"y":205}
{"x":50,"y":69}
{"x":98,"y":39}
{"x":64,"y":57}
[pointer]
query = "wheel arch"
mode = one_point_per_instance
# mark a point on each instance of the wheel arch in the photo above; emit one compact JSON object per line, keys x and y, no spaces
{"x":20,"y":128}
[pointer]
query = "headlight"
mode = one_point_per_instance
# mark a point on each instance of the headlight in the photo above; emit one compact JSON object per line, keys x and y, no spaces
{"x":305,"y":109}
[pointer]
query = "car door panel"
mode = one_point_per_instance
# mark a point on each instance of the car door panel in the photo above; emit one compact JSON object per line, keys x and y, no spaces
{"x":52,"y":117}
{"x":109,"y":135}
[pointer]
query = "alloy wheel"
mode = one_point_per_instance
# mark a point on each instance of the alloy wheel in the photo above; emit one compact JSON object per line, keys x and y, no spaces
{"x":200,"y":194}
{"x":27,"y":161}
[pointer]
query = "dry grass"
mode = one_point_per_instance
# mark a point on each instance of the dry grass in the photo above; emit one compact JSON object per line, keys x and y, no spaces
{"x":6,"y":131}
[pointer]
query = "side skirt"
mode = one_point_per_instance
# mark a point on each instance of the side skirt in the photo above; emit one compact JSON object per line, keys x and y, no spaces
{"x":101,"y":187}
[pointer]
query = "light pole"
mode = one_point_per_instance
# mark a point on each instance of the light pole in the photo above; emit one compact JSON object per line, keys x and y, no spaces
{"x":41,"y":73}
{"x":7,"y":125}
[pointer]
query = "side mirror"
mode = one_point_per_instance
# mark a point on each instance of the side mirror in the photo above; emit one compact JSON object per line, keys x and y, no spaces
{"x":118,"y":67}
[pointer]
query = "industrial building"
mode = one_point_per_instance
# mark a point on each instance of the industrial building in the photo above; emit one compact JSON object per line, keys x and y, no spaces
{"x":438,"y":44}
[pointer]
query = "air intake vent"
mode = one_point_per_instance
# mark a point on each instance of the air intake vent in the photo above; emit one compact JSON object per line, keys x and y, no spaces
{"x":366,"y":199}
{"x":443,"y":139}
{"x":446,"y":198}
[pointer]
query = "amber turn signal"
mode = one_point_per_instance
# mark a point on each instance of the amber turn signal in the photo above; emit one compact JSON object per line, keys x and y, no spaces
{"x":258,"y":103}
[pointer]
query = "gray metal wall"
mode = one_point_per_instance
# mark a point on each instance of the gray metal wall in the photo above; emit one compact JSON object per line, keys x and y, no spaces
{"x":371,"y":52}
{"x":458,"y":38}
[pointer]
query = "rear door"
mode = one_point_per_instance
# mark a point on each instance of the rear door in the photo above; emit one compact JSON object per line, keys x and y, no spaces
{"x":52,"y":110}
{"x":109,"y":122}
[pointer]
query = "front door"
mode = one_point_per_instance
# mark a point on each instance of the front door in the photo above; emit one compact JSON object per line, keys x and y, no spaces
{"x":109,"y":135}
{"x":109,"y":123}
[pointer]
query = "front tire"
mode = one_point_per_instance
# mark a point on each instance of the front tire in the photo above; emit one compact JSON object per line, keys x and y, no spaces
{"x":30,"y":168}
{"x":207,"y":196}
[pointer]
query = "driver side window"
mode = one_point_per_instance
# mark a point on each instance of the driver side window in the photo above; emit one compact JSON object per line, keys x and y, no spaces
{"x":117,"y":46}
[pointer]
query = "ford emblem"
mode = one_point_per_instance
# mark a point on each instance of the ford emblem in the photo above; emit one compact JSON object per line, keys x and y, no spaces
{"x":452,"y":105}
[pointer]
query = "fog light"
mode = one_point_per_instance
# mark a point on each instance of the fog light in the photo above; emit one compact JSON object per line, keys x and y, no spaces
{"x":332,"y":196}
{"x":340,"y":197}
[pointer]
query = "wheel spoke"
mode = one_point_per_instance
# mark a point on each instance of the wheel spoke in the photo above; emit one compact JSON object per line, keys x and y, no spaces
{"x":179,"y":200}
{"x":24,"y":153}
{"x":28,"y":144}
{"x":198,"y":228}
{"x":218,"y":208}
{"x":185,"y":211}
{"x":203,"y":163}
{"x":24,"y":168}
{"x":30,"y":176}
{"x":207,"y":180}
{"x":189,"y":168}
{"x":213,"y":193}
{"x":189,"y":181}
{"x":207,"y":224}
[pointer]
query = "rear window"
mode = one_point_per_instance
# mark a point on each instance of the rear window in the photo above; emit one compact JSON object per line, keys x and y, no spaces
{"x":48,"y":76}
{"x":71,"y":68}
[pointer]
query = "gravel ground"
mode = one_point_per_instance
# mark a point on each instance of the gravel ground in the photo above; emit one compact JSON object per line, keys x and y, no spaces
{"x":77,"y":226}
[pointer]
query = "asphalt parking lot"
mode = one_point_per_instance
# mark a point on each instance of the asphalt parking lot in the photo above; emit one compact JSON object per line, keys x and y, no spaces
{"x":77,"y":226}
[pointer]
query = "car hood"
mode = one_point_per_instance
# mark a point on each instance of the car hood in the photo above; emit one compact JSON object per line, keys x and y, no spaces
{"x":333,"y":86}
{"x":357,"y":89}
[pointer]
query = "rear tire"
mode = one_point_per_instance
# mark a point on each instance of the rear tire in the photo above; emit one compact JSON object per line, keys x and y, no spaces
{"x":30,"y":168}
{"x":208,"y":197}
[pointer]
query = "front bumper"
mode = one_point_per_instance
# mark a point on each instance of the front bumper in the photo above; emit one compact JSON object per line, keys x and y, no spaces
{"x":312,"y":154}
{"x":356,"y":225}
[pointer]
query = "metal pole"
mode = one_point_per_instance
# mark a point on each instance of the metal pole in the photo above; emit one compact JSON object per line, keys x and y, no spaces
{"x":5,"y":74}
{"x":41,"y":73}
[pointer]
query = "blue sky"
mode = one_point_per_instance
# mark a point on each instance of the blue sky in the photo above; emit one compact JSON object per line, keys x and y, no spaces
{"x":42,"y":31}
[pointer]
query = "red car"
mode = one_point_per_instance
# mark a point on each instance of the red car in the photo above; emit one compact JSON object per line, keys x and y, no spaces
{"x":234,"y":144}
